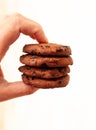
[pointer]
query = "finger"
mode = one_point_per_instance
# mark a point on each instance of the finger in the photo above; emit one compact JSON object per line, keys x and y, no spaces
{"x":15,"y":89}
{"x":33,"y":29}
{"x":15,"y":24}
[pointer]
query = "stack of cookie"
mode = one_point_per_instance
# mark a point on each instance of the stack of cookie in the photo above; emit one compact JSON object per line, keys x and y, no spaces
{"x":46,"y":65}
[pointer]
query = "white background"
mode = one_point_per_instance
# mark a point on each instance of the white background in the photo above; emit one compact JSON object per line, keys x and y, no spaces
{"x":68,"y":22}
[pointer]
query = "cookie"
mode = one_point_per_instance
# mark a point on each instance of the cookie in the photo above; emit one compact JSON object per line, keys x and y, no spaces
{"x":47,"y":73}
{"x":39,"y":61}
{"x":46,"y":83}
{"x":49,"y":49}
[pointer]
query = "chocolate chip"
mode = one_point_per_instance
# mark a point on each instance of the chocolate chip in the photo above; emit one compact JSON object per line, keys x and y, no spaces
{"x":33,"y":52}
{"x":27,"y":67}
{"x":47,"y":46}
{"x":60,"y":69}
{"x":42,"y":47}
{"x":59,"y":50}
{"x":44,"y":65}
{"x":59,"y":82}
{"x":34,"y":73}
{"x":52,"y":74}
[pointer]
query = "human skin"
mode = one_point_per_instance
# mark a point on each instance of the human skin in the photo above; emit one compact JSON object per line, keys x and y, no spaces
{"x":11,"y":27}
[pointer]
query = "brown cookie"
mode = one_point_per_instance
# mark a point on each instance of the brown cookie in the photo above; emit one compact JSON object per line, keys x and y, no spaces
{"x":47,"y":73}
{"x":46,"y":83}
{"x":38,"y":61}
{"x":49,"y":49}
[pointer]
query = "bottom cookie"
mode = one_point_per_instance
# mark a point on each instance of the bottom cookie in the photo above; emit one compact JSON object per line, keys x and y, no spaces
{"x":45,"y":83}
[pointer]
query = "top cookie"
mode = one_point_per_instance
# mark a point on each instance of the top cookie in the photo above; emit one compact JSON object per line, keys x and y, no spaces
{"x":47,"y":49}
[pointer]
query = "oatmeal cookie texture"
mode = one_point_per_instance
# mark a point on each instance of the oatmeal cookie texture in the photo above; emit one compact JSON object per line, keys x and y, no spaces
{"x":46,"y":65}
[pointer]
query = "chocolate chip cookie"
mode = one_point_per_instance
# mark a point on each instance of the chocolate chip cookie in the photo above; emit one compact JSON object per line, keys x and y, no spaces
{"x":39,"y":61}
{"x":49,"y":49}
{"x":46,"y":65}
{"x":47,"y":73}
{"x":46,"y":83}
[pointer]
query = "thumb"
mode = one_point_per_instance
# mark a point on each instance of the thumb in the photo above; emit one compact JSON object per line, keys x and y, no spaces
{"x":14,"y":90}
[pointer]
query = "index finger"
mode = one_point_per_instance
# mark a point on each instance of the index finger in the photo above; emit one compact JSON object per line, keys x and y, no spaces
{"x":33,"y":29}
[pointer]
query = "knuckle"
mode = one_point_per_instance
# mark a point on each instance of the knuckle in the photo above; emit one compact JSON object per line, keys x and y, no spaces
{"x":17,"y":15}
{"x":15,"y":18}
{"x":38,"y":28}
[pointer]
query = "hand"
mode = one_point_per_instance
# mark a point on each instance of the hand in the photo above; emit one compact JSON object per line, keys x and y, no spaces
{"x":10,"y":29}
